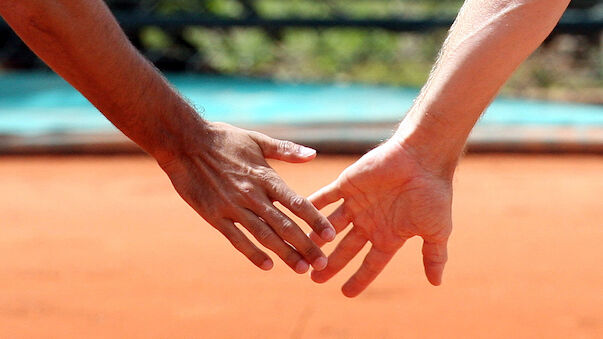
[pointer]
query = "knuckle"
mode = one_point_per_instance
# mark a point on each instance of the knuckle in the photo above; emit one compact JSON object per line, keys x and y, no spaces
{"x":275,"y":186}
{"x":267,"y":211}
{"x":437,"y":258}
{"x":288,"y":227}
{"x":264,"y":235}
{"x":235,"y":241}
{"x":297,"y":203}
{"x":259,"y":171}
{"x":285,"y":146}
{"x":212,"y":213}
{"x":246,"y":188}
{"x":226,"y":231}
{"x":442,"y":236}
{"x":265,"y":174}
{"x":311,"y":252}
{"x":371,"y":270}
{"x":247,"y":194}
{"x":232,"y":236}
{"x":291,"y":257}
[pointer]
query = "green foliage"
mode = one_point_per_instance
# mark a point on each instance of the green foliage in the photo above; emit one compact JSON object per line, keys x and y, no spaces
{"x":364,"y":55}
{"x":246,"y":51}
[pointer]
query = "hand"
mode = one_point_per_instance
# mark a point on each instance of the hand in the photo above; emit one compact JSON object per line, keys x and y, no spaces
{"x":226,"y":179}
{"x":389,"y":197}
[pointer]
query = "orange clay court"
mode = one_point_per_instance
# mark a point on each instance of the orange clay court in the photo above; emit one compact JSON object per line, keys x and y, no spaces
{"x":102,"y":247}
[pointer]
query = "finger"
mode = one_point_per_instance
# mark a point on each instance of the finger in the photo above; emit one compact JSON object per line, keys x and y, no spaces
{"x":372,"y":265}
{"x":301,"y":207}
{"x":435,"y":255}
{"x":290,"y":232}
{"x":268,"y":238}
{"x":282,"y":149}
{"x":347,"y":249}
{"x":338,"y":219}
{"x":243,"y":245}
{"x":326,"y":195}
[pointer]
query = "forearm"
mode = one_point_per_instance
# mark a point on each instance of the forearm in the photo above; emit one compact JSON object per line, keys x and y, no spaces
{"x":486,"y":44}
{"x":219,"y":170}
{"x":82,"y":42}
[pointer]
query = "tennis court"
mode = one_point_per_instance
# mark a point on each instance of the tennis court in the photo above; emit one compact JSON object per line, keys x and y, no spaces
{"x":101,"y":247}
{"x":96,"y":243}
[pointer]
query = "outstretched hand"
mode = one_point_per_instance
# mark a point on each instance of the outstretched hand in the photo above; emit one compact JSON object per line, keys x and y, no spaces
{"x":389,"y":197}
{"x":225,"y":178}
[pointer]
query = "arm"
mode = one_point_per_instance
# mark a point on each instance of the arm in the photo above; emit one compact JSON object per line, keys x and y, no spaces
{"x":219,"y":170}
{"x":488,"y":41}
{"x":403,"y":188}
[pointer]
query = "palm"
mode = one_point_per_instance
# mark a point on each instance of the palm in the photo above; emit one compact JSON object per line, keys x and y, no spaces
{"x":389,"y":198}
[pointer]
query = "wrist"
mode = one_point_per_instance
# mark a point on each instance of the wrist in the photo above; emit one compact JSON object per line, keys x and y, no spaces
{"x":435,"y":143}
{"x":179,"y":134}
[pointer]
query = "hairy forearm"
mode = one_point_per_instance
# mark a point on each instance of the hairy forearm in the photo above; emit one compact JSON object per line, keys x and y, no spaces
{"x":219,"y":170}
{"x":487,"y":42}
{"x":82,"y":42}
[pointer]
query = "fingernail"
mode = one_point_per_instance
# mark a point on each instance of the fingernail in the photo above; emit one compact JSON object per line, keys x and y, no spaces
{"x":302,"y":267}
{"x":327,"y":234}
{"x":267,"y":265}
{"x":306,"y":151}
{"x":320,"y":263}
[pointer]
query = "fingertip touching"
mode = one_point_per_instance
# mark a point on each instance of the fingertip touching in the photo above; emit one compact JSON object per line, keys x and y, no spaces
{"x":320,"y":263}
{"x":318,"y":278}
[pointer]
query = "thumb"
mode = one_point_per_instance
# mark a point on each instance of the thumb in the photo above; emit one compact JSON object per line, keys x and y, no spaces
{"x":435,"y":255}
{"x":282,"y":149}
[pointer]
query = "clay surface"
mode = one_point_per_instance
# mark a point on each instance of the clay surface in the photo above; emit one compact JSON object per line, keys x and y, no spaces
{"x":102,"y":247}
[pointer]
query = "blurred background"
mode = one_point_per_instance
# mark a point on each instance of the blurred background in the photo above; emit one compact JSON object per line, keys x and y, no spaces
{"x":377,"y":42}
{"x":94,"y":242}
{"x":360,"y":63}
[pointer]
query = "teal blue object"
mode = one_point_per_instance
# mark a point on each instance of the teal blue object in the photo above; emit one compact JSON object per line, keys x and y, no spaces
{"x":41,"y":103}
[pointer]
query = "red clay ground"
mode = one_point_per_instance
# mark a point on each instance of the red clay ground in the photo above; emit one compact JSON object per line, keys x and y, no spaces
{"x":102,"y":247}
